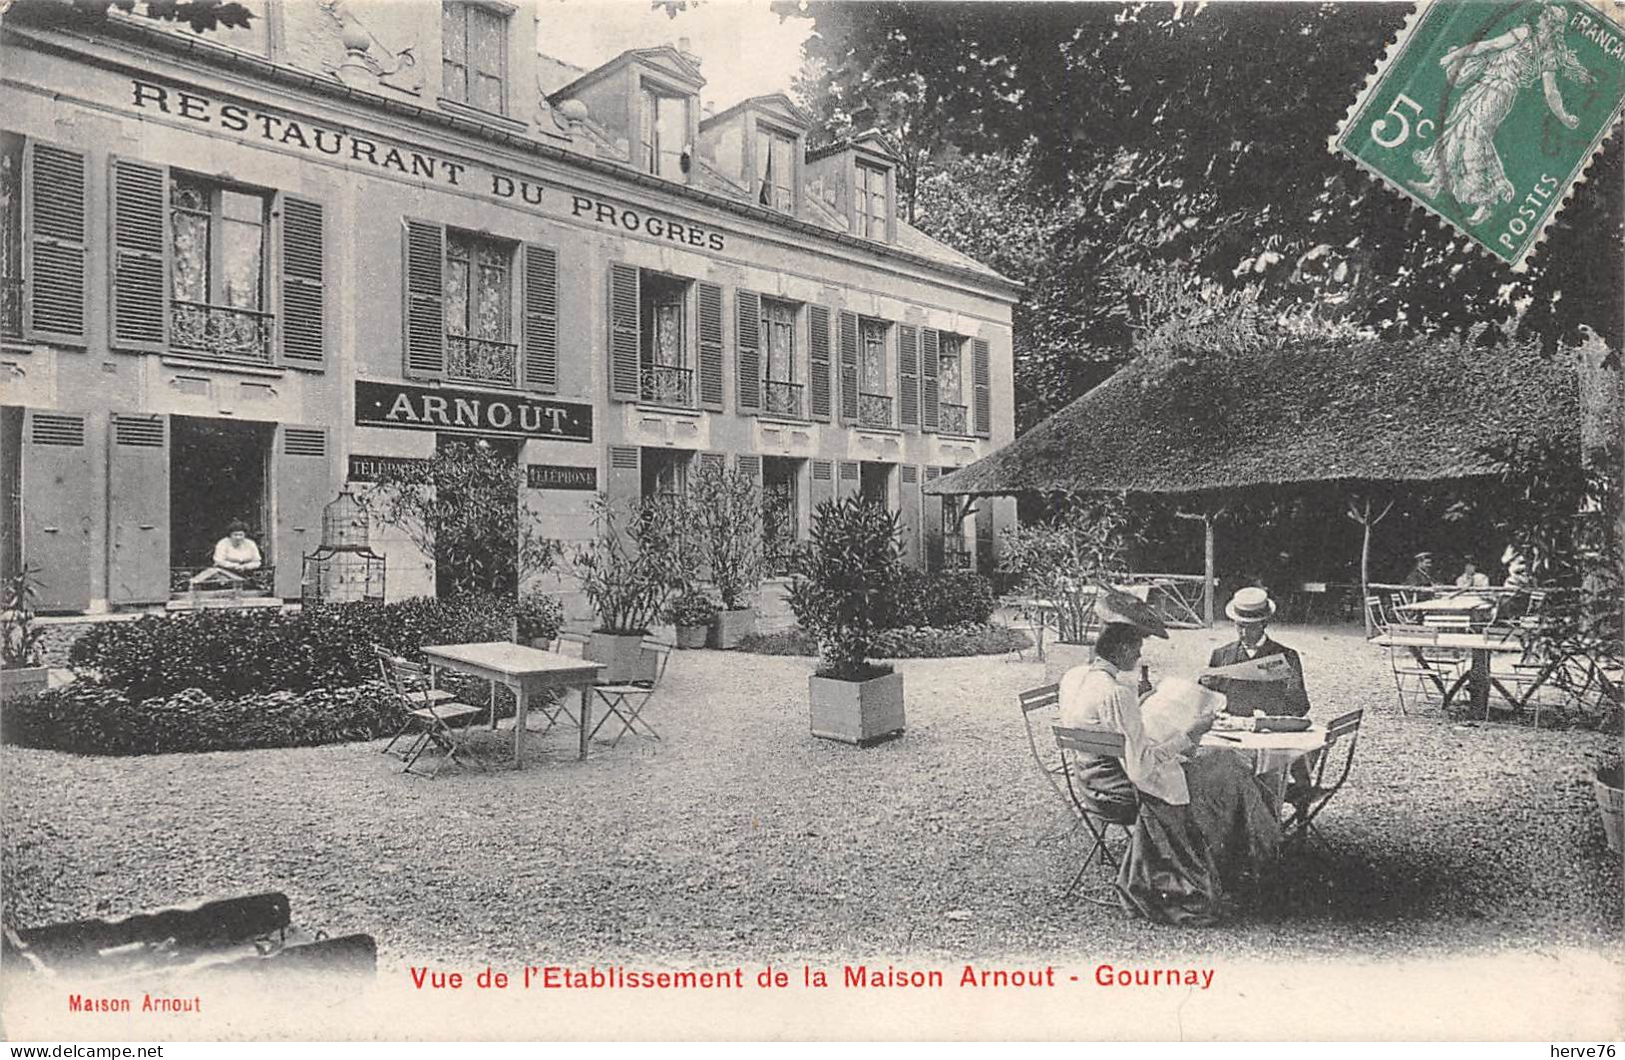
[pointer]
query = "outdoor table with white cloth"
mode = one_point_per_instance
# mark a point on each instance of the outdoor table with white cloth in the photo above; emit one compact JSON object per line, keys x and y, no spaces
{"x":1477,"y":677}
{"x":525,"y":671}
{"x":1273,"y":752}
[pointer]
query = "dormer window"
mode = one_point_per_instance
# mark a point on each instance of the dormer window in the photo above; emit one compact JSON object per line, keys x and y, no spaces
{"x":775,"y":169}
{"x":869,"y":201}
{"x":474,"y":50}
{"x":665,"y":133}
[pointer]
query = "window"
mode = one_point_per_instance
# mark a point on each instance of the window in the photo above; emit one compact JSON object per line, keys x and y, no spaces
{"x":874,"y":403}
{"x":775,"y":170}
{"x":217,"y":282}
{"x":783,"y":393}
{"x":479,"y":309}
{"x":870,"y":202}
{"x":665,"y":473}
{"x":666,"y":376}
{"x":665,"y":134}
{"x":951,"y":415}
{"x":11,"y":236}
{"x":474,"y":50}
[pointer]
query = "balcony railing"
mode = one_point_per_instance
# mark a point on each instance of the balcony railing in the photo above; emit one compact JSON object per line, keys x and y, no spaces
{"x":874,"y":410}
{"x":781,"y":398}
{"x":11,"y":307}
{"x":953,"y":419}
{"x":664,"y":384}
{"x":221,"y":332}
{"x":484,"y":361}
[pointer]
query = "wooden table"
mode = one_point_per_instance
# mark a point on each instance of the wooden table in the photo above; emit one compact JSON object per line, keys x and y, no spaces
{"x":1464,"y":604}
{"x":524,"y":670}
{"x":1477,"y":678}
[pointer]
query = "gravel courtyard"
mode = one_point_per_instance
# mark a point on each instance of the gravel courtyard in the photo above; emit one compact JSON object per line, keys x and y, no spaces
{"x":740,"y":834}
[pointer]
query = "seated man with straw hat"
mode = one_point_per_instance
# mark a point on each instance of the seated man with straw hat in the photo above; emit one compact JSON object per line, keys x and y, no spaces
{"x":1251,"y":609}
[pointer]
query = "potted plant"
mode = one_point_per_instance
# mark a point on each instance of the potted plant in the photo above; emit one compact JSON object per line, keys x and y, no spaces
{"x":627,"y":571}
{"x":22,"y":672}
{"x":692,"y":613}
{"x":727,"y":514}
{"x":844,"y":578}
{"x":537,"y":619}
{"x":1609,"y":788}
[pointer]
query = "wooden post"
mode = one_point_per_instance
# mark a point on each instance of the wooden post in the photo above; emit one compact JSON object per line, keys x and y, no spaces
{"x":1360,"y":512}
{"x":1209,"y":564}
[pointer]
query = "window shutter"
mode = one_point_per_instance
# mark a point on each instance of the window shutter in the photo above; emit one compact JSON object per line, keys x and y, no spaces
{"x":139,"y":311}
{"x":713,"y":462}
{"x":710,"y":346}
{"x":623,"y":483}
{"x":908,"y":496}
{"x":424,"y":299}
{"x":541,"y":338}
{"x":54,"y":298}
{"x":138,"y":511}
{"x":304,"y":317}
{"x":979,"y":382}
{"x":849,"y":367}
{"x":748,"y":340}
{"x":908,"y":375}
{"x":750,"y":466}
{"x":818,"y":361}
{"x":848,"y":478}
{"x":623,"y":333}
{"x":930,"y":357}
{"x":303,"y":477}
{"x":823,"y":484}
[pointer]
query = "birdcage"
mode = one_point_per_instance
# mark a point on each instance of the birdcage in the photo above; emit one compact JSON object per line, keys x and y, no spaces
{"x":344,"y":567}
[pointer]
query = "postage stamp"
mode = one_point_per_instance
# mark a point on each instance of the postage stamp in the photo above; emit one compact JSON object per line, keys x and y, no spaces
{"x":1487,"y":114}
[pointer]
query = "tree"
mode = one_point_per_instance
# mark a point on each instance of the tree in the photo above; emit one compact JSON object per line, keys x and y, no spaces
{"x":461,"y":509}
{"x":203,"y":16}
{"x":1167,"y":135}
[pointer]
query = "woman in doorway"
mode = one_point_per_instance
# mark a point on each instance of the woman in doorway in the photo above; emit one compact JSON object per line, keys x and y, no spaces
{"x":234,"y":556}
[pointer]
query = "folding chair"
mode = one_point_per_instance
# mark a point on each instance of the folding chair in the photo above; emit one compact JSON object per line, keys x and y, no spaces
{"x":429,"y":709}
{"x":1426,"y":677}
{"x":1090,"y":809}
{"x":556,"y":705}
{"x":1346,"y":729}
{"x":1375,"y":616}
{"x":626,"y":701}
{"x":1046,"y":697}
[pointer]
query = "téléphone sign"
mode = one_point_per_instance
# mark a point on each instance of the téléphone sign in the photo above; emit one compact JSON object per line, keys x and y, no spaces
{"x":561,"y":477}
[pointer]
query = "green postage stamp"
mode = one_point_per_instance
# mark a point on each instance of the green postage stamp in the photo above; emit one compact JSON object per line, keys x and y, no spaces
{"x":1488,"y":114}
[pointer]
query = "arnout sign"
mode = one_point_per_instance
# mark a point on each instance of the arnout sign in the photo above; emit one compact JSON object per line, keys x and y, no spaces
{"x":417,"y":408}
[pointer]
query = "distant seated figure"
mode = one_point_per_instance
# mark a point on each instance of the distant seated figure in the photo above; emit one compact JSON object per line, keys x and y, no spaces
{"x":1471,"y":577}
{"x":1518,"y":576}
{"x":1421,"y":571}
{"x":234,"y":556}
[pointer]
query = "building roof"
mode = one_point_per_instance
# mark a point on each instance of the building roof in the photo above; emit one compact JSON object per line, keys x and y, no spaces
{"x":664,"y":57}
{"x":1417,"y":410}
{"x":773,"y":101}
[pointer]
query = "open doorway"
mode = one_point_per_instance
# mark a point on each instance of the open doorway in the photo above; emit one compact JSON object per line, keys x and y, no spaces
{"x":781,"y":512}
{"x":219,"y":472}
{"x":875,"y":483}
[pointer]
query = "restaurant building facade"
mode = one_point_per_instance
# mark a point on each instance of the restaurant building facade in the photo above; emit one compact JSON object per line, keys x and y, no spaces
{"x":243,"y":270}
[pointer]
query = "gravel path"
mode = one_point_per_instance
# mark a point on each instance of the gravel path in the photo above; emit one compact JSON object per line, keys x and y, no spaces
{"x":740,"y":835}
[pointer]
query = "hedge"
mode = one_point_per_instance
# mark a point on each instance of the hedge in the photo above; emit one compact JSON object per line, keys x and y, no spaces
{"x":908,"y":643}
{"x":938,"y":600}
{"x":232,"y":654}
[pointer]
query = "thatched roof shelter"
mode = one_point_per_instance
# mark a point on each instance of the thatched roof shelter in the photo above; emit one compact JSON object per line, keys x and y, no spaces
{"x":1365,"y":412}
{"x":1312,"y":412}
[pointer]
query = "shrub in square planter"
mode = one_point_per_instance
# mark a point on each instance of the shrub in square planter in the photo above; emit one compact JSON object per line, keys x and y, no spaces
{"x":628,"y":570}
{"x":843,"y":581}
{"x":726,"y":510}
{"x":22,"y":672}
{"x":692,"y":614}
